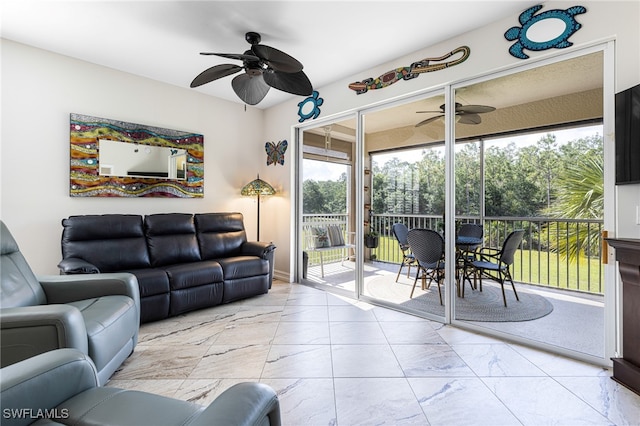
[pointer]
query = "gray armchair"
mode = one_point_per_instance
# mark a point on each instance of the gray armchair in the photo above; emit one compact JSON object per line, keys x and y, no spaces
{"x":61,"y":387}
{"x":98,"y":314}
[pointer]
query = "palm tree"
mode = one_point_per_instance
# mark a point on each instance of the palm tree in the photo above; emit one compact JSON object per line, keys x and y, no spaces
{"x":581,"y":197}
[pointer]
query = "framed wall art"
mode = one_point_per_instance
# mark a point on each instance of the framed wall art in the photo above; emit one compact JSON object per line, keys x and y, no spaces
{"x":111,"y":158}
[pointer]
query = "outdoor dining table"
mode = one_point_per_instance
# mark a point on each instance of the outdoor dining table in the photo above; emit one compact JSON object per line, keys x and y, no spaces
{"x":465,"y":249}
{"x":465,"y":253}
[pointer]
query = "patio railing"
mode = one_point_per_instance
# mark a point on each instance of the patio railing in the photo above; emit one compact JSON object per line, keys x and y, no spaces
{"x":538,"y":260}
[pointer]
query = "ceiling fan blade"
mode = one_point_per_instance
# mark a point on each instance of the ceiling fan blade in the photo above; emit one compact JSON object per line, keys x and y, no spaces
{"x":250,"y":88}
{"x":474,"y":109}
{"x":215,"y":73}
{"x":297,"y":82}
{"x":429,"y":120}
{"x":469,"y":119}
{"x":237,"y":56}
{"x":277,"y":59}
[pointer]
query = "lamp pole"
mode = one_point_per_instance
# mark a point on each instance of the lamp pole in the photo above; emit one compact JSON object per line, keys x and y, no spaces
{"x":258,"y":219}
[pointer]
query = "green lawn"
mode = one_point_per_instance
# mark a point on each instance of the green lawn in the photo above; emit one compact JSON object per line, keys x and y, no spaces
{"x":533,"y":267}
{"x":540,"y":268}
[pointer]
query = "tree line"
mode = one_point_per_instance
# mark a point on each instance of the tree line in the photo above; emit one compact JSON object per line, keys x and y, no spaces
{"x":541,"y":179}
{"x":523,"y":181}
{"x":545,"y":179}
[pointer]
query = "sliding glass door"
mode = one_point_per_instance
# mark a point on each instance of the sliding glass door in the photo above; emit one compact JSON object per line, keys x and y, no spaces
{"x":536,"y":165}
{"x":523,"y":152}
{"x":327,"y":209}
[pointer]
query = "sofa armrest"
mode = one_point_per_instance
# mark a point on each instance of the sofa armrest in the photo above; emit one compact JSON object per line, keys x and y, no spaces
{"x":258,"y":248}
{"x":30,"y":330}
{"x":263,"y":250}
{"x":71,"y":288}
{"x":245,"y":403}
{"x":43,"y":382}
{"x":74,"y":265}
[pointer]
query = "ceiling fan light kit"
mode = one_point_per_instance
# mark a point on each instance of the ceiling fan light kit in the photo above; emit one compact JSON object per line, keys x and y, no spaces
{"x":265,"y":67}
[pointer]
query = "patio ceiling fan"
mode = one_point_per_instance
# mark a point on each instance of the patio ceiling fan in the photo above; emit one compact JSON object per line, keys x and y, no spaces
{"x":264,"y":67}
{"x":465,"y":114}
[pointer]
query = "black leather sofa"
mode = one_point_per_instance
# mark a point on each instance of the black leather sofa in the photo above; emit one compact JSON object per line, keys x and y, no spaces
{"x":182,"y":261}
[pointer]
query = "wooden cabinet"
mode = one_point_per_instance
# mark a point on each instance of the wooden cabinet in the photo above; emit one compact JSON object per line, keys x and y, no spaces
{"x":626,"y":370}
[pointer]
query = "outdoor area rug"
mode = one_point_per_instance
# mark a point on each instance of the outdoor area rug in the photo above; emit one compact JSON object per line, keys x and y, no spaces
{"x":486,"y":305}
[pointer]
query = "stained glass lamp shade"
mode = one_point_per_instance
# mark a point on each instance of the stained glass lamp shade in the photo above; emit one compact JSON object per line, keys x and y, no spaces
{"x":257,"y":188}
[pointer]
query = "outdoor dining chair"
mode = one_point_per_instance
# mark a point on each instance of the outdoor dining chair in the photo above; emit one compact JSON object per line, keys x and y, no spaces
{"x":428,"y":248}
{"x":468,"y":240}
{"x":472,"y":230}
{"x":495,"y":264}
{"x":400,"y":231}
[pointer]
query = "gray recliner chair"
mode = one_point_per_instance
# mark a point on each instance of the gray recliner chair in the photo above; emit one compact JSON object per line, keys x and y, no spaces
{"x":98,"y":314}
{"x":61,"y":387}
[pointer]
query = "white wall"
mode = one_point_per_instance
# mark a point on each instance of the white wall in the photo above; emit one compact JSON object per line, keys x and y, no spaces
{"x":489,"y":53}
{"x":39,"y":91}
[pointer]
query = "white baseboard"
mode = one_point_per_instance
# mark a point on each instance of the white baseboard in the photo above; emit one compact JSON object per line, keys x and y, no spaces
{"x":281,"y":275}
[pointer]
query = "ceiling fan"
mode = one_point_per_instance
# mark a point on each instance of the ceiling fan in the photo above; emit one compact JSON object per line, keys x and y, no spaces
{"x":264,"y":66}
{"x":465,"y":114}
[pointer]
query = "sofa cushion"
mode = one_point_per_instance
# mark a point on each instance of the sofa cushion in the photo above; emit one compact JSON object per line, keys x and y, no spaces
{"x":111,"y":242}
{"x":220,"y":234}
{"x":194,"y":274}
{"x":151,"y":281}
{"x":154,"y":308}
{"x":171,"y":238}
{"x":245,"y":287}
{"x":188,"y":299}
{"x":153,"y":284}
{"x":243,"y":266}
{"x":113,"y":406}
{"x":194,"y":285}
{"x":109,"y":321}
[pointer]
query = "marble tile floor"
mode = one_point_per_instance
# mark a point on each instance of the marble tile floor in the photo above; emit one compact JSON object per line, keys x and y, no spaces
{"x":336,"y":361}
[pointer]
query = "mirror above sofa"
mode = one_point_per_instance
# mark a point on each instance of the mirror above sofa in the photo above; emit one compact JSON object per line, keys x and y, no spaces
{"x":118,"y":158}
{"x":111,"y":158}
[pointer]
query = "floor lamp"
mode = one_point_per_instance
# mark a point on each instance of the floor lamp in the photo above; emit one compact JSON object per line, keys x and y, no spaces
{"x":257,"y":187}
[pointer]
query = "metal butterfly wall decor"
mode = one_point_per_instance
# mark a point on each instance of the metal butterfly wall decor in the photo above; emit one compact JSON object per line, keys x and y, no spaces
{"x":275,"y":152}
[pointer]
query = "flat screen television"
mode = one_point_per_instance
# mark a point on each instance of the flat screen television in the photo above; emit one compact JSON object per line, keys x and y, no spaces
{"x":628,"y":136}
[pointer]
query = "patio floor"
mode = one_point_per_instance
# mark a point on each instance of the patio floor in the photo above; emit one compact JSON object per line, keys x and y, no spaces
{"x":576,"y":322}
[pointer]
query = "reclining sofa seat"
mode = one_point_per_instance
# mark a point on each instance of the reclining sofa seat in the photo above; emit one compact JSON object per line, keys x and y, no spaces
{"x":60,"y":387}
{"x":97,"y":315}
{"x":222,"y":238}
{"x":115,"y":243}
{"x":182,"y":261}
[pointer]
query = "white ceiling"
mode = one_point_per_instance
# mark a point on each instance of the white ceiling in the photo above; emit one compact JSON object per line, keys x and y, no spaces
{"x":161,"y":40}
